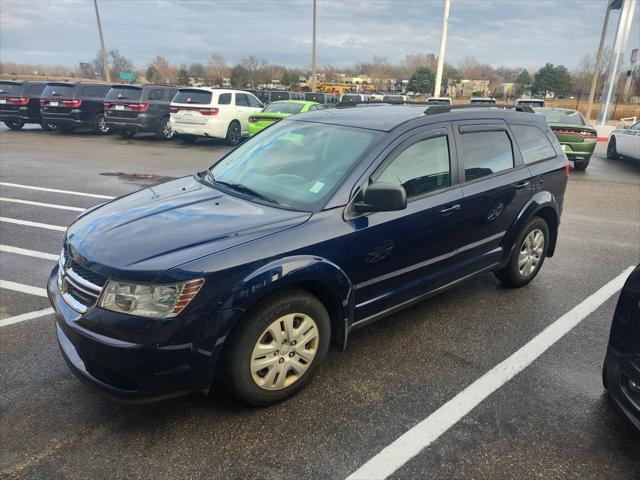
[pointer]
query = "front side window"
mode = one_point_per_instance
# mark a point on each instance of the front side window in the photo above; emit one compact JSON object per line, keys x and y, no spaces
{"x":293,"y":164}
{"x":486,"y":153}
{"x":533,"y":143}
{"x":253,"y":101}
{"x":421,"y":168}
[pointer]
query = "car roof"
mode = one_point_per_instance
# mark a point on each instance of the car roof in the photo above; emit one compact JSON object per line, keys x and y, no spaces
{"x":387,"y":117}
{"x":215,"y":90}
{"x":300,"y":102}
{"x":554,"y":109}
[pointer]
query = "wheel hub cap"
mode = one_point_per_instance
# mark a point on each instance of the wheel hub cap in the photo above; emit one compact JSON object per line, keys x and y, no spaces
{"x":284,"y":351}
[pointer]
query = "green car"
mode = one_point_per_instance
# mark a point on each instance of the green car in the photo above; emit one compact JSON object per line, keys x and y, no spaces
{"x":577,"y":137}
{"x":276,"y":111}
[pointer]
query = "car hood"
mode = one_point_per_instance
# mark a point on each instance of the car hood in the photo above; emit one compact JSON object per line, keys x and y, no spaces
{"x":161,"y":227}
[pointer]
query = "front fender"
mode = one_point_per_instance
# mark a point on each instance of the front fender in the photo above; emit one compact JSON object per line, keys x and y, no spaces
{"x":319,"y":276}
{"x":543,"y":203}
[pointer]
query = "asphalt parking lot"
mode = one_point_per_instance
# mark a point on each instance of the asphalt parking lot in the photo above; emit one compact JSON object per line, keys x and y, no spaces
{"x":552,"y":420}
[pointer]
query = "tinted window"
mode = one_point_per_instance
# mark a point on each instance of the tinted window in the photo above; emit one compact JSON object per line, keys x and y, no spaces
{"x":533,"y":143}
{"x":170,"y":93}
{"x":636,"y":126}
{"x":482,"y":101}
{"x":253,"y":101}
{"x":438,"y":101}
{"x":224,"y":99}
{"x":351,"y":98}
{"x":62,"y":91}
{"x":275,"y":96}
{"x":241,"y":100}
{"x":124,"y":93}
{"x":393,"y":99}
{"x":561,"y":116}
{"x":156,"y":94}
{"x":485,"y":153}
{"x":9,"y":89}
{"x":34,"y":90}
{"x":314,"y":97}
{"x":89,"y":92}
{"x":421,"y":168}
{"x":284,"y":107}
{"x":186,"y":95}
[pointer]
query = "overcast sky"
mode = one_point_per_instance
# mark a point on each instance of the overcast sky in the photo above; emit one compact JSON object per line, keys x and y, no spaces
{"x":512,"y":33}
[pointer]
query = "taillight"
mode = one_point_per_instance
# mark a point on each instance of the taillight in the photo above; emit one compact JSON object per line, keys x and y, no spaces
{"x":72,"y":103}
{"x":253,"y":119}
{"x":587,"y":134}
{"x":43,"y":102}
{"x":208,"y":111}
{"x":138,"y":107}
{"x":173,"y":109}
{"x":108,"y":105}
{"x":567,"y":167}
{"x":18,"y":101}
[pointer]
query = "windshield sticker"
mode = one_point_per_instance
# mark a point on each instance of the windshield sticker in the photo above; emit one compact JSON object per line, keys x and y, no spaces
{"x":316,"y":187}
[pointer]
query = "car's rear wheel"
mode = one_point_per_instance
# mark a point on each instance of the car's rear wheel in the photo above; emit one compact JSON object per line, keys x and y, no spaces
{"x":49,"y":127}
{"x":612,"y":152}
{"x":234,"y":134}
{"x":189,"y":138}
{"x":164,"y":131}
{"x":14,"y":124}
{"x":528,"y":255}
{"x":277,"y":348}
{"x":581,"y":164}
{"x":127,"y":133}
{"x":100,"y":126}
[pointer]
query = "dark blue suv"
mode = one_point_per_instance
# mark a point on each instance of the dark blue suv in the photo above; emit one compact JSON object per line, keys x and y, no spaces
{"x":319,"y":225}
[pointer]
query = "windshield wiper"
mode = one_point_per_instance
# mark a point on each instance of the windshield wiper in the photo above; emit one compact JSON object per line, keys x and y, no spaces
{"x":243,"y":189}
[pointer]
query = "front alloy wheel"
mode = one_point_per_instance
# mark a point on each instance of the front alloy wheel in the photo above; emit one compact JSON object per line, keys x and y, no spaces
{"x":284,"y":351}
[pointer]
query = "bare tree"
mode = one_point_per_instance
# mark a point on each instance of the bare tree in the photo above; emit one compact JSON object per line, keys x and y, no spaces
{"x":217,"y":69}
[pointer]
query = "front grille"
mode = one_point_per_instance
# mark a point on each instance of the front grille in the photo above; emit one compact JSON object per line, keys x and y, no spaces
{"x":78,"y":284}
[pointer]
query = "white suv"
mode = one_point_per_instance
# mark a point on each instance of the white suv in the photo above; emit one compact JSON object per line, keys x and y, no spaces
{"x":212,"y":112}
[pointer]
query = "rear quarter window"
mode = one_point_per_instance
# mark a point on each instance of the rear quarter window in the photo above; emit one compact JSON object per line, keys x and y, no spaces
{"x":486,"y":153}
{"x":155,"y":94}
{"x":224,"y":99}
{"x":534,"y":144}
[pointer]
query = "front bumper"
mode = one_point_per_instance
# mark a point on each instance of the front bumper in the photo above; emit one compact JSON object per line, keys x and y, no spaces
{"x":134,"y":371}
{"x":618,"y":370}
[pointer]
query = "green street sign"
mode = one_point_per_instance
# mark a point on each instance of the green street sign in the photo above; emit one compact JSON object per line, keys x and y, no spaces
{"x":126,"y":75}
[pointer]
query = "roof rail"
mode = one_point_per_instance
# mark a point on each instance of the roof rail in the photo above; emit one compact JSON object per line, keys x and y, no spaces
{"x":431,"y":109}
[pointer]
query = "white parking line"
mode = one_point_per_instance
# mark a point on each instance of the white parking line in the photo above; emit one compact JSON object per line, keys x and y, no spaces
{"x":21,"y":287}
{"x":25,"y":316}
{"x":412,"y":442}
{"x":28,"y":253}
{"x":40,"y":204}
{"x":54,"y":190}
{"x":33,"y":224}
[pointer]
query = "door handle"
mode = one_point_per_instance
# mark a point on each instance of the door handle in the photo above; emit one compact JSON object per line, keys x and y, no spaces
{"x":521,"y":185}
{"x":450,"y":209}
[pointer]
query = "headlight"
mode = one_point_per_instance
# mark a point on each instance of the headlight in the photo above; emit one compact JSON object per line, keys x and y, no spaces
{"x":153,"y":301}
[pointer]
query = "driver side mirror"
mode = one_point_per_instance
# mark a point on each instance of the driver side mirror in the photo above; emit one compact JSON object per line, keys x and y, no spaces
{"x":382,"y":197}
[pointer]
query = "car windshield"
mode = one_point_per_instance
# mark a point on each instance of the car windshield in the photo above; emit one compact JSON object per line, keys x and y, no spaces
{"x":284,"y":107}
{"x":293,"y":164}
{"x":561,"y":116}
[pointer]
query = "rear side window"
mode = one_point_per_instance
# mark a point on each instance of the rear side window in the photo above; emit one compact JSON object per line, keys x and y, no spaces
{"x":201,"y":97}
{"x":156,"y":94}
{"x":421,"y":168}
{"x":89,"y":92}
{"x":124,"y":93}
{"x":533,"y":143}
{"x":486,"y":153}
{"x":241,"y":100}
{"x":224,"y":99}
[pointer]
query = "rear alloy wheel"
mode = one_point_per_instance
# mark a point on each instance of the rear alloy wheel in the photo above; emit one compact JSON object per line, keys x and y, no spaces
{"x":49,"y":127}
{"x":528,"y":255}
{"x":100,"y":126}
{"x":127,"y":133}
{"x":277,"y":348}
{"x":164,"y":131}
{"x":612,"y":152}
{"x":14,"y":124}
{"x":234,"y":134}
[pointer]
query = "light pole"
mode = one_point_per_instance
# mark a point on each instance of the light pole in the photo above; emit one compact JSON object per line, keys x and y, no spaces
{"x":443,"y":45}
{"x":105,"y":64}
{"x":313,"y":51}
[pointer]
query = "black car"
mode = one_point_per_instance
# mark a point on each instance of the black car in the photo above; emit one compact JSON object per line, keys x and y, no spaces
{"x":277,"y":95}
{"x":20,"y":104}
{"x":326,"y":99}
{"x":321,"y":224}
{"x":621,"y":370}
{"x":75,"y":105}
{"x":132,"y":108}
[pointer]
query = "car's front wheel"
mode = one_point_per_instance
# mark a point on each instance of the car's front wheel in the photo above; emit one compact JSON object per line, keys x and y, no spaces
{"x":164,"y":131}
{"x":14,"y":124}
{"x":528,"y":255}
{"x":612,"y":152}
{"x":234,"y":134}
{"x":277,"y":348}
{"x":581,"y":164}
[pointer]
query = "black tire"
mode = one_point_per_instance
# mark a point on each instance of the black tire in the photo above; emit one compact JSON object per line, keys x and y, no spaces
{"x":127,"y":133}
{"x":164,"y":132}
{"x":243,"y":340}
{"x":510,"y":275}
{"x":582,"y":164}
{"x":14,"y":124}
{"x":66,"y":128}
{"x":49,"y":127}
{"x":189,"y":138}
{"x":234,"y":133}
{"x":100,"y":126}
{"x":612,"y":152}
